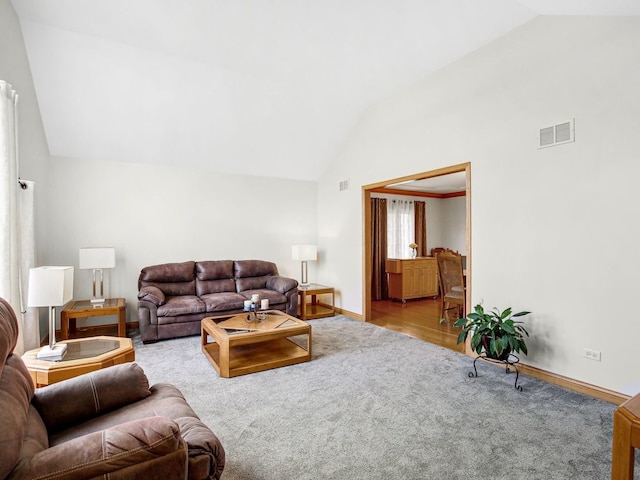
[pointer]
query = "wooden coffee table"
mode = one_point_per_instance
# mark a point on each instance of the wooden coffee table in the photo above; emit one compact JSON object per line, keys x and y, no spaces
{"x":83,"y":355}
{"x":240,"y":347}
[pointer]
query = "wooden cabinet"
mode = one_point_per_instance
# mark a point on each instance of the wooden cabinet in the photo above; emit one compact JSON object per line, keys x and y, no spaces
{"x":412,"y":278}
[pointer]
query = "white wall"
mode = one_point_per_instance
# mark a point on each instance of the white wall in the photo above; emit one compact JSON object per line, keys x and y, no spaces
{"x":454,"y":223}
{"x":554,"y":231}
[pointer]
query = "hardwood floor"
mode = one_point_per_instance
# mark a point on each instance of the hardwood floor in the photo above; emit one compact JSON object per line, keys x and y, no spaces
{"x":418,"y":318}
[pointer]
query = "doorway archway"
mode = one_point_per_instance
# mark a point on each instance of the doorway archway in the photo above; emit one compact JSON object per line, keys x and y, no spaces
{"x":367,"y":260}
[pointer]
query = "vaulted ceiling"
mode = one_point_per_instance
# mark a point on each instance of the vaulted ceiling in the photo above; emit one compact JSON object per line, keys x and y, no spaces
{"x":260,"y":87}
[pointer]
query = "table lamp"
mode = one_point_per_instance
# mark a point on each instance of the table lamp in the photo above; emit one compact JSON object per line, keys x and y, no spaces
{"x":304,"y":253}
{"x":50,"y":287}
{"x":97,"y":258}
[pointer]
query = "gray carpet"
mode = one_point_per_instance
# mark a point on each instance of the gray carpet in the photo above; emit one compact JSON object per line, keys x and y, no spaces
{"x":374,"y":404}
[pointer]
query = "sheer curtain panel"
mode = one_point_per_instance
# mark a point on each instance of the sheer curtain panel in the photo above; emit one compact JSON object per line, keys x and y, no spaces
{"x":17,"y":250}
{"x":401,"y":228}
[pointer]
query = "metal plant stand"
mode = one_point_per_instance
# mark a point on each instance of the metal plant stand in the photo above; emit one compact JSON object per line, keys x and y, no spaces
{"x":511,"y":361}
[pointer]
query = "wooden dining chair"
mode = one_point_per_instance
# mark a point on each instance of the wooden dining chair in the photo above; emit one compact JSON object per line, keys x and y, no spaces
{"x":452,"y":288}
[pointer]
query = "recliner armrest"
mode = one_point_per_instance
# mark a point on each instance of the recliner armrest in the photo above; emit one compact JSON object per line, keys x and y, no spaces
{"x":147,"y":448}
{"x":70,"y":402}
{"x":281,"y":284}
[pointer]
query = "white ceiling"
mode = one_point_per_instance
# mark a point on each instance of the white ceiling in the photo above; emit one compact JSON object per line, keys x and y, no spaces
{"x":450,"y":183}
{"x":261,"y":87}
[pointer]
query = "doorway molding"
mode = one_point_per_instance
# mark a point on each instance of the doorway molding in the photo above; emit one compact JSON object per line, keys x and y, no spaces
{"x":367,"y":242}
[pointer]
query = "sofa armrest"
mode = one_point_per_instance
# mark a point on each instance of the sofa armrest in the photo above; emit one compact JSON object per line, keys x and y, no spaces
{"x":70,"y":402}
{"x":152,"y":294}
{"x":147,"y":448}
{"x":281,"y":284}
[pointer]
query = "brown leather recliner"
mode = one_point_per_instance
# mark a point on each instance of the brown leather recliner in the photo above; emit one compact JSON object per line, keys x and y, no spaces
{"x":104,"y":424}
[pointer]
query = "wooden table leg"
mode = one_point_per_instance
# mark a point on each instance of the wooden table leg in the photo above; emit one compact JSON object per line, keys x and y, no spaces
{"x":64,"y":326}
{"x":303,"y":305}
{"x":623,"y":455}
{"x":626,"y":437}
{"x":122,"y":322}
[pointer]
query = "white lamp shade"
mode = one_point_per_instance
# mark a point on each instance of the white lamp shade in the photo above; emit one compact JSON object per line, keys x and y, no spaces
{"x":97,"y":257}
{"x":304,"y":252}
{"x":50,"y":286}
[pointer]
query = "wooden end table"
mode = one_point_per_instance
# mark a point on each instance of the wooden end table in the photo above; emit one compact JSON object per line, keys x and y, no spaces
{"x":83,"y":355}
{"x":242,"y":347}
{"x":85,"y":309}
{"x":315,"y":308}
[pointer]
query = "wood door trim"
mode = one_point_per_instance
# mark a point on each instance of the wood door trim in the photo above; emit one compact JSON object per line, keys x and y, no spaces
{"x":366,"y":239}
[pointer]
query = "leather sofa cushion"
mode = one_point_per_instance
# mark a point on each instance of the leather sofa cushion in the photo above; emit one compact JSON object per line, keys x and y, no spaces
{"x":171,"y":278}
{"x":254,"y":268}
{"x":274,"y":297}
{"x":169,"y":272}
{"x":181,"y":305}
{"x":251,"y":283}
{"x":224,"y":301}
{"x":215,"y":286}
{"x":94,"y":394}
{"x":214,"y":276}
{"x":214,"y":270}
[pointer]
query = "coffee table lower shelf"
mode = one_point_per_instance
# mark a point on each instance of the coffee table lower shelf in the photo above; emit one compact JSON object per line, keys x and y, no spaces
{"x":244,"y":359}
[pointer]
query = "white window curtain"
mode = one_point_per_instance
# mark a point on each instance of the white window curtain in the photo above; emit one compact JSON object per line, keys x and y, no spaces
{"x":17,"y":248}
{"x":400,"y":228}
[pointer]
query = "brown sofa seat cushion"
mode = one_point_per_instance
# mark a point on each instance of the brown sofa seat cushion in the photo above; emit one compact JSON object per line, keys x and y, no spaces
{"x":275,"y":298}
{"x":182,"y":305}
{"x":224,"y":301}
{"x":94,"y":394}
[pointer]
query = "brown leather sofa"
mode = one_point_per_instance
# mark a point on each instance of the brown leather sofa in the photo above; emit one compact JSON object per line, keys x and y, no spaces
{"x":174,"y":297}
{"x":104,"y":424}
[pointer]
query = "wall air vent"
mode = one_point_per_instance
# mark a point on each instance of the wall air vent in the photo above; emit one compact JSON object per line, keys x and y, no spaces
{"x":344,"y":185}
{"x":557,"y":134}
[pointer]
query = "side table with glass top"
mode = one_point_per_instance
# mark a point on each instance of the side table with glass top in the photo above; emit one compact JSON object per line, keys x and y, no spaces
{"x":83,"y":355}
{"x":85,"y":309}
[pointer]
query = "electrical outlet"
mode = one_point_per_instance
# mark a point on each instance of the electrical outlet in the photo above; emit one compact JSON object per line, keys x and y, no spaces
{"x":592,"y":354}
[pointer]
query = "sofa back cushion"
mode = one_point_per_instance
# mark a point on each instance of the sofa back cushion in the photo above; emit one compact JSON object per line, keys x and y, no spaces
{"x":214,"y":276}
{"x":172,"y":278}
{"x":253,"y":274}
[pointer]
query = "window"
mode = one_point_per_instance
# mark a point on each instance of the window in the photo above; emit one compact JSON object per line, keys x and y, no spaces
{"x":400,"y":228}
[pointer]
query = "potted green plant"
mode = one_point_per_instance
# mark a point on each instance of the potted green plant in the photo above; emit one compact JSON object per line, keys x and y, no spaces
{"x":494,"y":331}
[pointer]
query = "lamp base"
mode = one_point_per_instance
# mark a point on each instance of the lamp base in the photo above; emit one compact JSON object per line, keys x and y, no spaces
{"x":97,"y":301}
{"x":58,"y":352}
